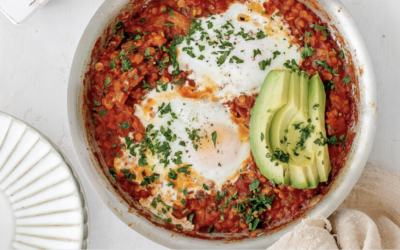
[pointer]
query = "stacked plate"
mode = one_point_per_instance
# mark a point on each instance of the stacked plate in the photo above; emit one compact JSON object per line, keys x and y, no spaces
{"x":42,"y":204}
{"x":19,"y":11}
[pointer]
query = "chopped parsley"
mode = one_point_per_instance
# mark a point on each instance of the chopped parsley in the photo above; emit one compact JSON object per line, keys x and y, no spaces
{"x":321,"y":28}
{"x":330,"y":85}
{"x":264,"y":63}
{"x":172,"y":174}
{"x":341,"y":54}
{"x":222,"y":58}
{"x":126,"y":64}
{"x":291,"y":65}
{"x":276,"y":53}
{"x":256,"y":52}
{"x":260,"y":35}
{"x":113,"y":173}
{"x":184,"y":169}
{"x":254,"y":185}
{"x":214,"y":137}
{"x":112,"y":64}
{"x":307,"y":51}
{"x":124,"y":125}
{"x":129,"y":176}
{"x":237,"y":59}
{"x":106,"y":82}
{"x":194,"y":137}
{"x":346,"y":80}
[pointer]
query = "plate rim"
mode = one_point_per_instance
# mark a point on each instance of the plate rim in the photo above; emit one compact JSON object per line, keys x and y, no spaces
{"x":86,"y":231}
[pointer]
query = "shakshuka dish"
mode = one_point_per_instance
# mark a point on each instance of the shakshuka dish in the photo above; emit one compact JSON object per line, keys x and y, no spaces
{"x":221,"y":116}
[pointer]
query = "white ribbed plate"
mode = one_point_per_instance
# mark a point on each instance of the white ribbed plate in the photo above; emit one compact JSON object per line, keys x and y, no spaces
{"x":41,"y":202}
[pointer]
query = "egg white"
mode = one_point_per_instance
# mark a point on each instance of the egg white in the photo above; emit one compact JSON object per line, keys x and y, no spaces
{"x":233,"y":79}
{"x":215,"y":163}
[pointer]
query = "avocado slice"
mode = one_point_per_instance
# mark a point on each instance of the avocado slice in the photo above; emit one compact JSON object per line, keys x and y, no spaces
{"x":273,"y":96}
{"x":278,"y":132}
{"x":300,"y":131}
{"x":317,"y":99}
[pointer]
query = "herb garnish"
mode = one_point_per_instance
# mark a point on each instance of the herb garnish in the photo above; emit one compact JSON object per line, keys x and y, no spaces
{"x":214,"y":137}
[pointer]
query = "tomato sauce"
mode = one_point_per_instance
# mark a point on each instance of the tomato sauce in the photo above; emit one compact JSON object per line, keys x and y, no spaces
{"x":114,"y":92}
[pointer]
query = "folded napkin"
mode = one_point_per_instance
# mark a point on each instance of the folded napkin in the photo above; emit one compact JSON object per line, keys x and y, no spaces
{"x":369,"y":218}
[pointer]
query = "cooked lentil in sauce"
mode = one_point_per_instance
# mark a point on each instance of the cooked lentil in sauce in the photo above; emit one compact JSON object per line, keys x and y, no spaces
{"x":136,"y":59}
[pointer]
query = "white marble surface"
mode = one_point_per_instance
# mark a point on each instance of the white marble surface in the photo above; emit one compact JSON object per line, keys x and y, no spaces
{"x":35,"y":60}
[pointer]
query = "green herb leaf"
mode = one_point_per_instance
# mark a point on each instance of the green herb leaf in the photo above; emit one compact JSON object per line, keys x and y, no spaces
{"x":307,"y":51}
{"x":153,"y":203}
{"x":184,"y":169}
{"x":112,"y":64}
{"x":106,"y":82}
{"x":254,"y":185}
{"x":333,"y":140}
{"x":341,"y":54}
{"x":322,"y":28}
{"x":276,"y":53}
{"x":172,"y":174}
{"x":330,"y":85}
{"x":191,"y":216}
{"x":261,"y":35}
{"x":214,"y":137}
{"x":264,"y":63}
{"x":129,"y":176}
{"x":346,"y":80}
{"x":113,"y":173}
{"x":223,"y":57}
{"x":147,"y":52}
{"x":237,"y":59}
{"x":124,"y":125}
{"x":256,"y":52}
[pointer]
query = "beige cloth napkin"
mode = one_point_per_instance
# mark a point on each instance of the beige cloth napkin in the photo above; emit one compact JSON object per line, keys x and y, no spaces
{"x":369,"y":218}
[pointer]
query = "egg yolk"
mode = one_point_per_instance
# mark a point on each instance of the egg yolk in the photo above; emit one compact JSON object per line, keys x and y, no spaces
{"x":223,"y":153}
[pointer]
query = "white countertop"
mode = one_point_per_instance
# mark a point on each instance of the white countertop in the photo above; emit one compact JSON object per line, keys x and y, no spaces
{"x":35,"y":60}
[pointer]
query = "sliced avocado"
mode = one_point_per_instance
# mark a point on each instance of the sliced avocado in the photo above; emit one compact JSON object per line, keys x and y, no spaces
{"x":273,"y":96}
{"x":317,"y":99}
{"x":312,"y":174}
{"x":300,"y":131}
{"x":278,"y":132}
{"x":295,"y":146}
{"x":298,"y":176}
